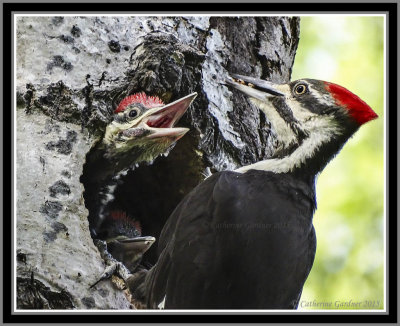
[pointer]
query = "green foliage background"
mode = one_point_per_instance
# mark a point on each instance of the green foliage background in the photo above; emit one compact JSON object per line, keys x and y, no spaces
{"x":349,"y":221}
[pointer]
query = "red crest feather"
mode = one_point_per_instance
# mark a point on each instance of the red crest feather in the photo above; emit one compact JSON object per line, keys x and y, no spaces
{"x":126,"y":219}
{"x":358,"y":109}
{"x":147,"y":101}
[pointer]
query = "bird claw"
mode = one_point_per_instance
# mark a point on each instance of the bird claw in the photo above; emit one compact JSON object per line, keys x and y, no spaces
{"x":108,"y":272}
{"x":114,"y":267}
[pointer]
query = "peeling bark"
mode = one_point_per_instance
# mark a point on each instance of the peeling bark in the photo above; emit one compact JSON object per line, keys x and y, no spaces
{"x":72,"y":72}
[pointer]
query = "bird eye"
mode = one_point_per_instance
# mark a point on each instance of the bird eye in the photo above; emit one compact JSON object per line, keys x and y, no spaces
{"x":300,"y":89}
{"x":133,"y":113}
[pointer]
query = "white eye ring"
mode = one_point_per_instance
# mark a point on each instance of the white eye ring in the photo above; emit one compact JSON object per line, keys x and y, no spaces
{"x":133,"y":113}
{"x":300,"y":89}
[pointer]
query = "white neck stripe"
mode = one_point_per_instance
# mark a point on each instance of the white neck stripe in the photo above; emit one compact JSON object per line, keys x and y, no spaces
{"x":288,"y":163}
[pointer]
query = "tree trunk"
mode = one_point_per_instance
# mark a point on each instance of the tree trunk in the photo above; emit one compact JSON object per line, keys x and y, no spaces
{"x":71,"y":74}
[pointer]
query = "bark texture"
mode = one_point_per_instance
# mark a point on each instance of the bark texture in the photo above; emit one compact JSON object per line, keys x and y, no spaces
{"x":72,"y":72}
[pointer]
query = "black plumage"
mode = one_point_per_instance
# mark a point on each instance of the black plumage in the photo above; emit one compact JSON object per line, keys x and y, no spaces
{"x":244,"y":239}
{"x":221,"y":249}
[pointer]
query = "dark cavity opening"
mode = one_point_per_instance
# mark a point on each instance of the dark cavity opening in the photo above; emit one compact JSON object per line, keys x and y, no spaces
{"x":149,"y":193}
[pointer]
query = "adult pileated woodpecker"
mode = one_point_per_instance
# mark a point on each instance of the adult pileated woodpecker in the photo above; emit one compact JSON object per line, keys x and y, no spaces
{"x":245,"y":238}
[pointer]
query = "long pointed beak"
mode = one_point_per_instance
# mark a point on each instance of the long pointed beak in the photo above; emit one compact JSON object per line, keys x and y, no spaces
{"x":254,"y":87}
{"x":138,"y":239}
{"x":163,"y":119}
{"x":141,"y":244}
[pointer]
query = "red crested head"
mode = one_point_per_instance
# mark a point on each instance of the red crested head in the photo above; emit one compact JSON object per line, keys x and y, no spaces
{"x":360,"y":111}
{"x":142,"y":98}
{"x":122,"y":218}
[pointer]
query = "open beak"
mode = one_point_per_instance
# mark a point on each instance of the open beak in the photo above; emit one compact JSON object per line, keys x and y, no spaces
{"x":254,"y":87}
{"x":163,"y":119}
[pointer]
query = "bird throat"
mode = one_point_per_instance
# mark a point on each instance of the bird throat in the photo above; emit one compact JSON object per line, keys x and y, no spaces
{"x":313,"y":148}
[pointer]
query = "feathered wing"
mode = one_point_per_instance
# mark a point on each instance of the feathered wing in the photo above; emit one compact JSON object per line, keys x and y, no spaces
{"x":227,"y":246}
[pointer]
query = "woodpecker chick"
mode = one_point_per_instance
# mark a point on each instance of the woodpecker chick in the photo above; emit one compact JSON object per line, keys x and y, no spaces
{"x":123,"y":236}
{"x":123,"y":246}
{"x":244,"y":239}
{"x":143,"y":127}
{"x":129,"y":251}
